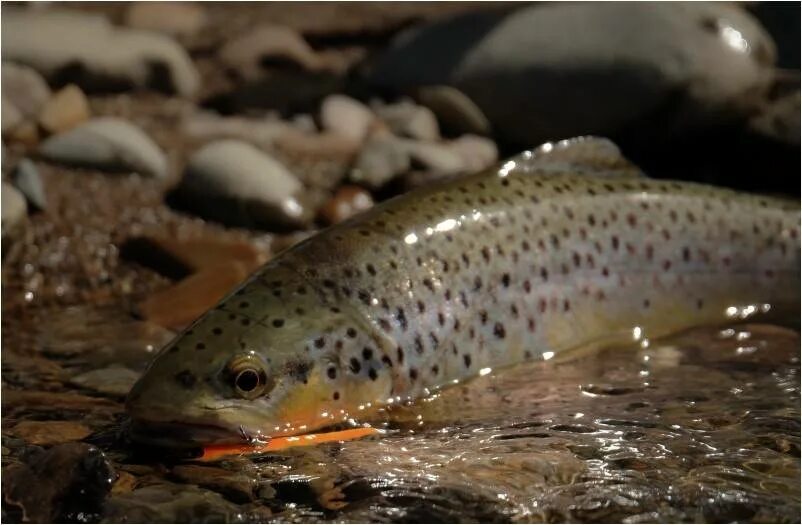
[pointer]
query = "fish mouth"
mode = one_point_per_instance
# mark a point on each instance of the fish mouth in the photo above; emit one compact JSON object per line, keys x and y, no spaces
{"x":184,"y":435}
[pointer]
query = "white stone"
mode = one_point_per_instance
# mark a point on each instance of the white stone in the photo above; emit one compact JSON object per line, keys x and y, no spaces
{"x":347,"y":117}
{"x":50,"y":41}
{"x":233,"y":182}
{"x":107,"y":143}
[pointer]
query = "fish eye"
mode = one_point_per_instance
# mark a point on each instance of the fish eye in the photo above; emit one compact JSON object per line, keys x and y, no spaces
{"x":248,"y":376}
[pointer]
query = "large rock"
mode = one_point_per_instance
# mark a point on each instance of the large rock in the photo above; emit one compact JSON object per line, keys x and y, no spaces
{"x":88,"y":50}
{"x":407,"y":119}
{"x":108,"y":144}
{"x":557,"y":70}
{"x":25,"y":88}
{"x":235,"y":183}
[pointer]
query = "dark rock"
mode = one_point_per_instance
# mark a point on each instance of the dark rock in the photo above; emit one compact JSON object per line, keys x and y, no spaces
{"x":65,"y":483}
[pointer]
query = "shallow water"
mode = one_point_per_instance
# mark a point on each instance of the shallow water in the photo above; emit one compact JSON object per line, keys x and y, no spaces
{"x":703,"y":426}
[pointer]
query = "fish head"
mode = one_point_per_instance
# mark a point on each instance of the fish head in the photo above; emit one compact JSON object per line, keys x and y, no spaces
{"x":267,"y":361}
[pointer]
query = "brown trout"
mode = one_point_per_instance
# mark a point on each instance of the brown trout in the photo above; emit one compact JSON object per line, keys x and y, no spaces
{"x":565,"y":246}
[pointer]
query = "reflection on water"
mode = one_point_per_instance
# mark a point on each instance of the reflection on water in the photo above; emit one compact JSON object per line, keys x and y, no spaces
{"x":701,"y":427}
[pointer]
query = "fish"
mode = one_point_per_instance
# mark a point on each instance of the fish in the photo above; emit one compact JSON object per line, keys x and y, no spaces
{"x":565,"y":246}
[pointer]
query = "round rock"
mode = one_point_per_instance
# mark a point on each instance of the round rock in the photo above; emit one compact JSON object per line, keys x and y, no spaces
{"x":347,"y":117}
{"x":408,"y":119}
{"x":541,"y":72}
{"x":235,"y":183}
{"x":108,"y":144}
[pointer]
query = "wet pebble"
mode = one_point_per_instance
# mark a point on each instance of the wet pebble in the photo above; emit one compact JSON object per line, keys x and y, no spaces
{"x":14,"y":209}
{"x":456,"y":113}
{"x":27,"y":180}
{"x":61,"y":401}
{"x":173,"y":503}
{"x":63,"y":484}
{"x":247,"y":53}
{"x":50,"y":432}
{"x":179,"y":19}
{"x":24,"y":88}
{"x":347,"y":117}
{"x":180,"y":304}
{"x":347,"y":202}
{"x":407,"y":119}
{"x":107,"y":143}
{"x":477,"y":153}
{"x":113,"y":380}
{"x":435,"y":158}
{"x":237,"y":184}
{"x":89,"y":51}
{"x":236,"y":486}
{"x":66,"y":109}
{"x":382,"y":158}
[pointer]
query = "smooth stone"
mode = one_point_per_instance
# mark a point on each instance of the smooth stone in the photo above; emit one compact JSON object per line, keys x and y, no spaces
{"x":66,"y":109}
{"x":347,"y":117}
{"x":113,"y":380}
{"x":107,"y":143}
{"x":177,"y":306}
{"x":260,"y":132}
{"x":237,"y":486}
{"x":11,"y":116}
{"x":456,"y":113}
{"x":179,"y":19}
{"x":27,"y":180}
{"x":64,"y":484}
{"x":50,"y":432}
{"x":24,"y":88}
{"x":345,"y":203}
{"x":237,"y":184}
{"x":437,"y":158}
{"x":381,"y":160}
{"x":97,"y":54}
{"x":174,"y":503}
{"x":247,"y":53}
{"x":14,"y":209}
{"x":540,"y":71}
{"x":477,"y":153}
{"x":407,"y":119}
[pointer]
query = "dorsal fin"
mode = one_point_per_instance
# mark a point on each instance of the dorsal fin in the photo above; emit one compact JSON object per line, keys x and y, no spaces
{"x":589,"y":155}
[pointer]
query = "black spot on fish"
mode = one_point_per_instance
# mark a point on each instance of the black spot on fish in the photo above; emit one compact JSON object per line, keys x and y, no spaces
{"x":278,"y":323}
{"x":186,"y":379}
{"x":331,"y":372}
{"x":200,"y":346}
{"x":372,"y":374}
{"x":355,"y":366}
{"x":367,"y":353}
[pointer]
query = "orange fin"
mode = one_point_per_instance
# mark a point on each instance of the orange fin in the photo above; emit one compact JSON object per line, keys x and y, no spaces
{"x":280,"y":443}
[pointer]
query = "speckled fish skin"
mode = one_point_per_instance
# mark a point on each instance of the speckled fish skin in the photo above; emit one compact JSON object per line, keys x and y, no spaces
{"x":561,"y":247}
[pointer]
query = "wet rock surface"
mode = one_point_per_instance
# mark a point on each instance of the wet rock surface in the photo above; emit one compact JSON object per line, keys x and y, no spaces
{"x":705,"y":429}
